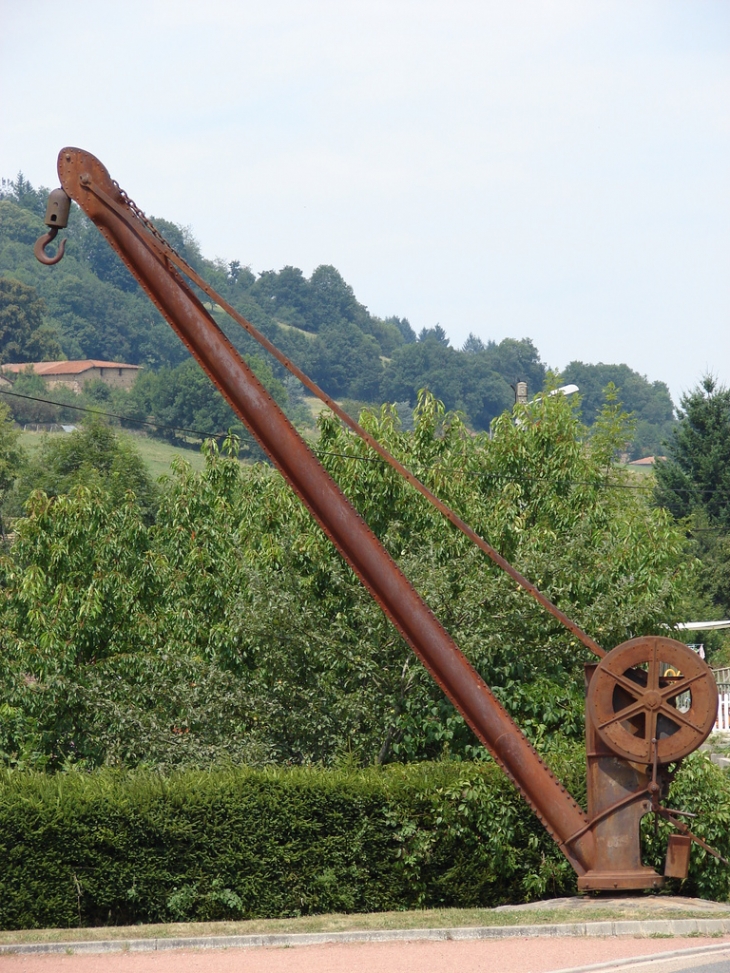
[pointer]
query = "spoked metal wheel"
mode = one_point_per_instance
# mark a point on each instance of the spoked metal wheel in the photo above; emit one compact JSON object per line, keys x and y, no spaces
{"x":652,"y":689}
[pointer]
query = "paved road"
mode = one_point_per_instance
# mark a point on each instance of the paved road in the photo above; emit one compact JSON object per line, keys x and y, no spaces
{"x":712,"y":962}
{"x":480,"y":956}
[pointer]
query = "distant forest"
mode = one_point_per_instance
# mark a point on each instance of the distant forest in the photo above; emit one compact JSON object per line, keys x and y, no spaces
{"x":89,"y":306}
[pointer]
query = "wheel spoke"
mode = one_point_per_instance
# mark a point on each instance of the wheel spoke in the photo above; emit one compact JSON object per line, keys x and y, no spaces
{"x":677,"y":688}
{"x":634,"y":709}
{"x":631,"y":687}
{"x":631,"y":702}
{"x":651,"y":725}
{"x":653,"y":677}
{"x":676,"y":717}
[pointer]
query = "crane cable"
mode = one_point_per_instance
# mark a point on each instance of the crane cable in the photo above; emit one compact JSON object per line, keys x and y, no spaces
{"x":160,"y":246}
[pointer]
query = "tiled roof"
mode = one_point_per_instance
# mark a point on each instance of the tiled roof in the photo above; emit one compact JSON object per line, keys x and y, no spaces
{"x":65,"y":367}
{"x":647,"y":461}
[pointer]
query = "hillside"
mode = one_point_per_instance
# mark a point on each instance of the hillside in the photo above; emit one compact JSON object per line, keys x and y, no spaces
{"x":92,"y":308}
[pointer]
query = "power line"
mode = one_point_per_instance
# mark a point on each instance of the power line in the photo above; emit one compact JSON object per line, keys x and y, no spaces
{"x":348,"y":456}
{"x":113,"y":415}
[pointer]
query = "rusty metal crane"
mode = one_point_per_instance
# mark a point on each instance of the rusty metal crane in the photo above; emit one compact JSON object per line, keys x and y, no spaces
{"x":640,"y":719}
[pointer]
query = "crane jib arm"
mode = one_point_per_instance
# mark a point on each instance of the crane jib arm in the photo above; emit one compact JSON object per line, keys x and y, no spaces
{"x":649,"y":701}
{"x":87,"y":182}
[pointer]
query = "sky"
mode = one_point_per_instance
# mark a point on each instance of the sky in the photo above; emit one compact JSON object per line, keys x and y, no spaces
{"x":511,"y":168}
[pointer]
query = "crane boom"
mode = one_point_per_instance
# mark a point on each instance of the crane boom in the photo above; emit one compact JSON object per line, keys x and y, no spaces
{"x":87,"y":182}
{"x":635,"y":727}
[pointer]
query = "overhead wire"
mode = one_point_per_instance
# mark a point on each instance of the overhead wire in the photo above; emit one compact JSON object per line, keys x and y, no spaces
{"x":132,"y":216}
{"x":113,"y":415}
{"x":452,"y":471}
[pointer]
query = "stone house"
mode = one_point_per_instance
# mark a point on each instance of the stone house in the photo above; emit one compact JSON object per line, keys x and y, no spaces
{"x":76,"y":374}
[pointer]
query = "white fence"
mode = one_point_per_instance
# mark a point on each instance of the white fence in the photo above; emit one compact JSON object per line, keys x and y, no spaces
{"x":723,"y":714}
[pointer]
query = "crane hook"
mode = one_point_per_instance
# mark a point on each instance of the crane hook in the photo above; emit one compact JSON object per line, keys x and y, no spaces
{"x":40,"y":247}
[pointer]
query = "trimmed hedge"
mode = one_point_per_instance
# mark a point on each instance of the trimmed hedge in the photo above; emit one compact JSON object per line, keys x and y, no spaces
{"x":117,"y":848}
{"x":100,"y":848}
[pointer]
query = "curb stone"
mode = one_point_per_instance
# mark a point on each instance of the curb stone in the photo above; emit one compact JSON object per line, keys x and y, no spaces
{"x":608,"y":928}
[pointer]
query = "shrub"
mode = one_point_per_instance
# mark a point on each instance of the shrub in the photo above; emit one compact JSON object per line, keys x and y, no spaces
{"x":110,"y":847}
{"x":106,"y":848}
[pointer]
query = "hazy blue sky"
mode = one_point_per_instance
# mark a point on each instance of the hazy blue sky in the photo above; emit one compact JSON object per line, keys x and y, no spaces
{"x":557,"y":170}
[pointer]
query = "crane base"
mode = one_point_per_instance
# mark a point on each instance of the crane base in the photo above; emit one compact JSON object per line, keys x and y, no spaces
{"x":643,"y":878}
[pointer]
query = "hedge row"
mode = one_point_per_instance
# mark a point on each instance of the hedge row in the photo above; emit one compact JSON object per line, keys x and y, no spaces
{"x":104,"y":848}
{"x":89,"y":849}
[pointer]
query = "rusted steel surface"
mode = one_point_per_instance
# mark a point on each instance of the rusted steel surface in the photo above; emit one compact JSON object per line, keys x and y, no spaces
{"x":631,"y":700}
{"x":678,"y":849}
{"x":618,"y":798}
{"x":57,"y":210}
{"x":122,"y":207}
{"x":80,"y":174}
{"x":40,"y":248}
{"x":634,"y":723}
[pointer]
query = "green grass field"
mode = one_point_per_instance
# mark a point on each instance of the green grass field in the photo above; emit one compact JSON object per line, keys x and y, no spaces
{"x":157,"y":455}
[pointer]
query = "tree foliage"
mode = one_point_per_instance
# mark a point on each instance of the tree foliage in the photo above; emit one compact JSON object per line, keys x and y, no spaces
{"x":696,"y":475}
{"x":23,"y":334}
{"x":475,"y":381}
{"x":94,"y":456}
{"x":12,"y":456}
{"x":96,"y":310}
{"x":183,"y":400}
{"x":648,"y":402}
{"x":694,"y":484}
{"x":229,"y":627}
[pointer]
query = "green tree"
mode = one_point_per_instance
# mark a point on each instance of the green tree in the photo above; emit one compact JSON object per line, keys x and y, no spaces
{"x":18,"y":225}
{"x":347,"y":362}
{"x":473,"y":344}
{"x":12,"y":456}
{"x":333,"y":300}
{"x":184,"y":398}
{"x":23,"y":334}
{"x":21,"y":191}
{"x":94,"y":456}
{"x":235,"y":583}
{"x":475,"y":380}
{"x":649,"y":402}
{"x":516,"y":360}
{"x":112,"y":628}
{"x":288,"y":295}
{"x":31,"y":401}
{"x":404,"y":327}
{"x":694,"y":484}
{"x":696,"y":474}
